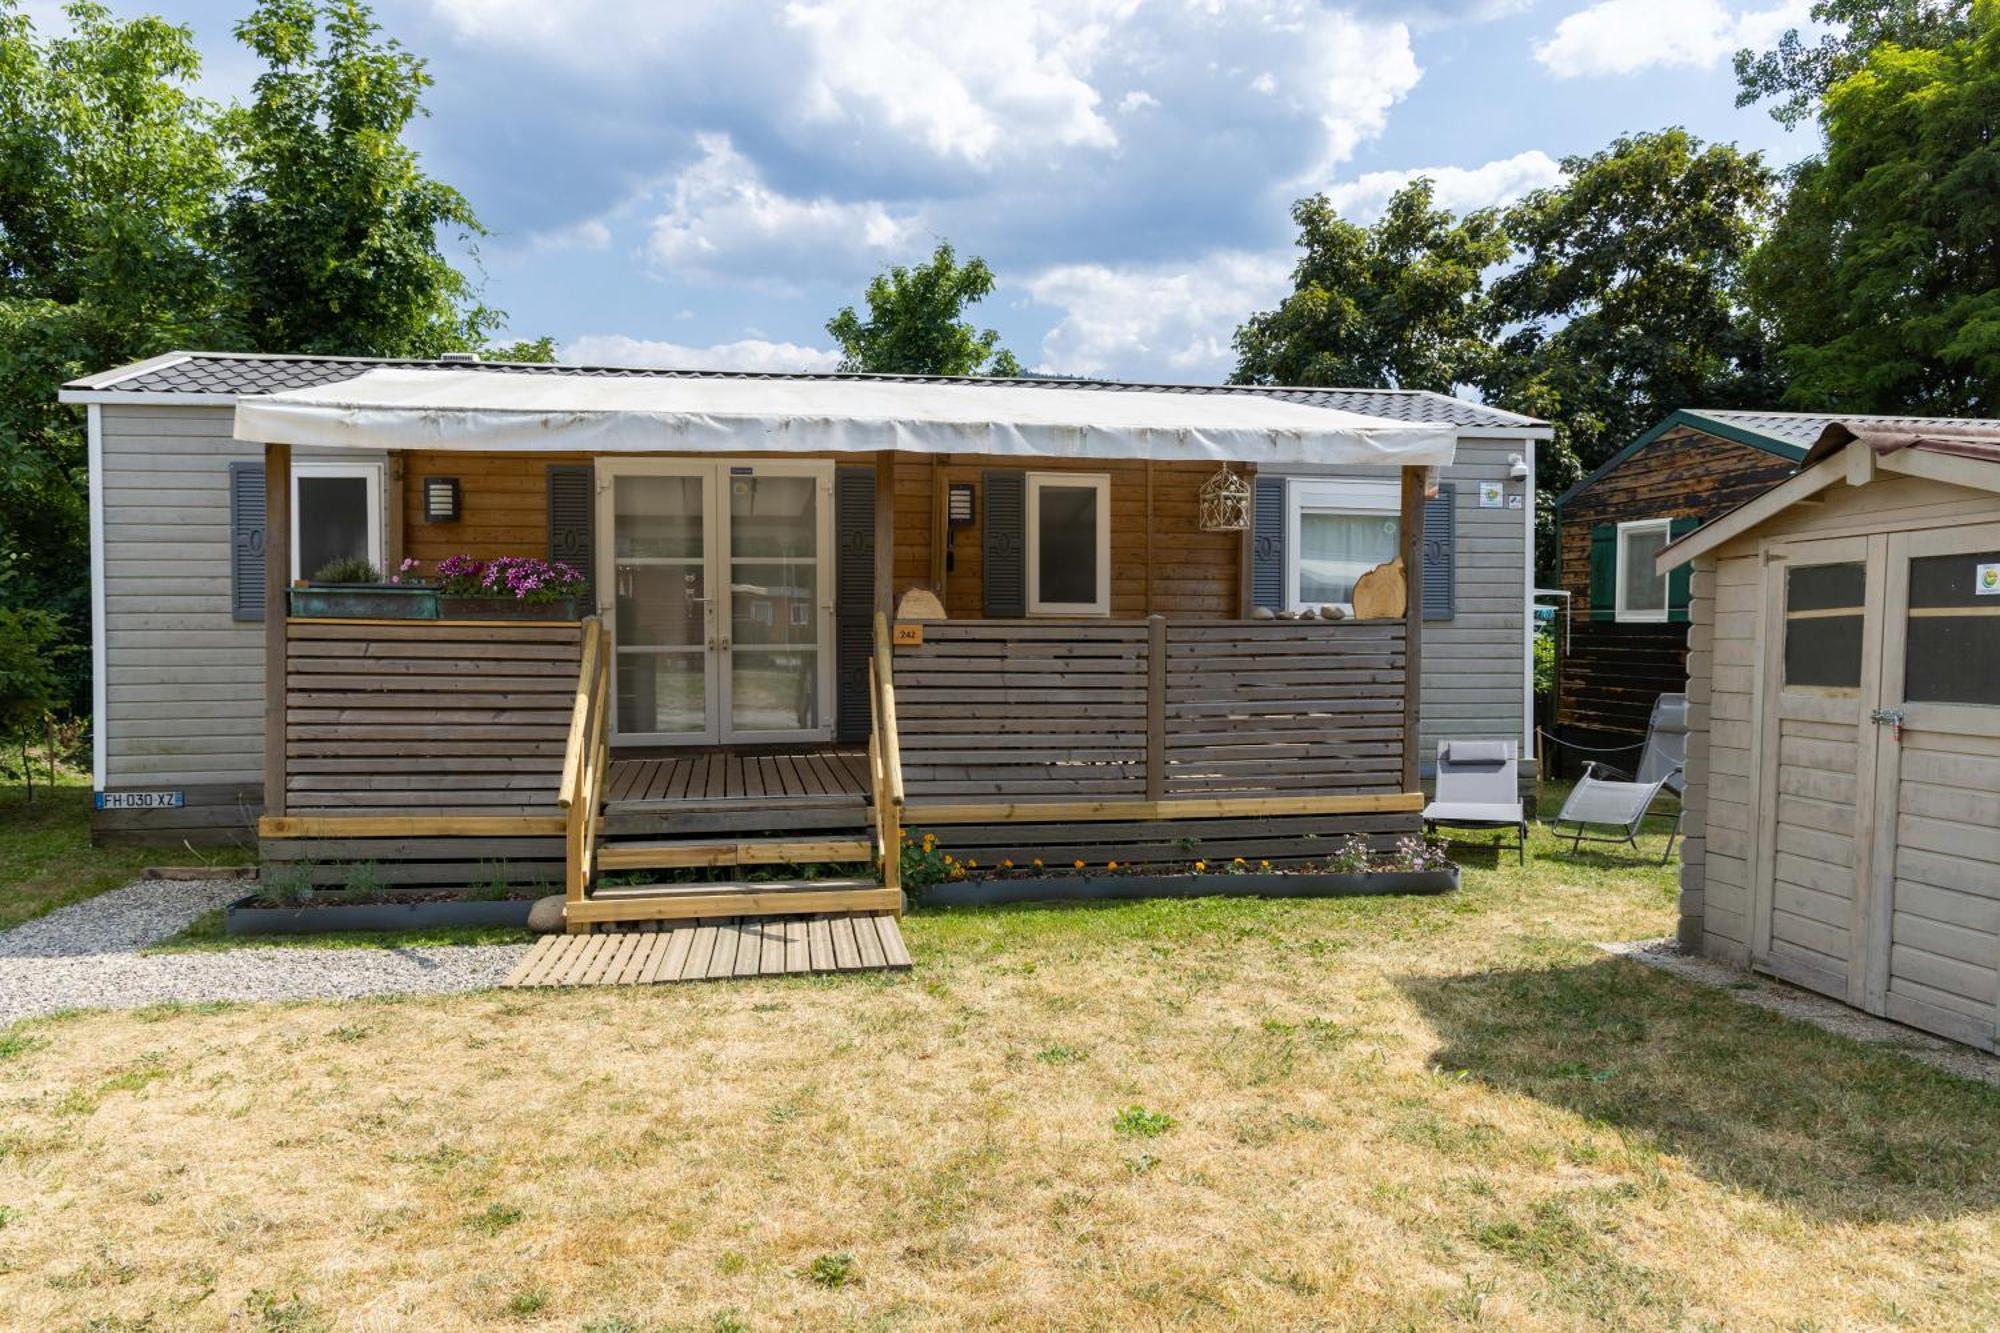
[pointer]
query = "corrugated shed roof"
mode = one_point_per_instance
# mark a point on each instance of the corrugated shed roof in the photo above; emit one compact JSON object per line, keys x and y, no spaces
{"x":237,"y":373}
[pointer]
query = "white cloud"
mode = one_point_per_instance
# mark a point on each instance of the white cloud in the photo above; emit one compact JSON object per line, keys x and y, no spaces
{"x":1137,"y":100}
{"x":1624,"y":36}
{"x":721,"y":220}
{"x":1459,"y":189}
{"x":616,"y":349}
{"x":587,"y":234}
{"x":1168,"y":321}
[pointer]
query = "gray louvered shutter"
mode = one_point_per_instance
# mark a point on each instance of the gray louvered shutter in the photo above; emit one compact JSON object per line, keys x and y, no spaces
{"x":853,"y":598}
{"x":572,"y":514}
{"x":1004,"y":544}
{"x":1267,"y":545}
{"x":1440,"y":586}
{"x":246,"y":541}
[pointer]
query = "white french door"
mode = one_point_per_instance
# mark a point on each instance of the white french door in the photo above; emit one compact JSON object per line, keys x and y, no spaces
{"x":718,"y":592}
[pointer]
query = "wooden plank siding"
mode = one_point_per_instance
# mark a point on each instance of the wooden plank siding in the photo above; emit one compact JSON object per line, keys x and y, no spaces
{"x":184,"y":699}
{"x":1611,"y":674}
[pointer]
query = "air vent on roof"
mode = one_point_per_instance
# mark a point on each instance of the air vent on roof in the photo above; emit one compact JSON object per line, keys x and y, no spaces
{"x":458,"y":356}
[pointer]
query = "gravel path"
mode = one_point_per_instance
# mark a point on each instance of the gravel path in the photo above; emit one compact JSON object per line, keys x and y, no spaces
{"x":85,"y":956}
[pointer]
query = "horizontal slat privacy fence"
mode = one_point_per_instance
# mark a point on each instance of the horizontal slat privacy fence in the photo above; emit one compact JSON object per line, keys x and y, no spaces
{"x":1144,"y":742}
{"x":1150,"y":711}
{"x":426,"y":718}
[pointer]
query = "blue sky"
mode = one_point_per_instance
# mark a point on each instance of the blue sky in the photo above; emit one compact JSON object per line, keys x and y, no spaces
{"x":704,"y":183}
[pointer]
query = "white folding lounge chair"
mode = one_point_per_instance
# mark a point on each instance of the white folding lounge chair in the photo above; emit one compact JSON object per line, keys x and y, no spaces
{"x":1605,"y":797}
{"x":1479,"y":786}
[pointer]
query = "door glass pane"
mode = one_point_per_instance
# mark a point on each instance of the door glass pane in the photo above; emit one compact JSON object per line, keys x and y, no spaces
{"x":660,"y":591}
{"x":333,"y":522}
{"x":1953,"y":630}
{"x":774,"y":619}
{"x":1066,"y":521}
{"x":1644,"y":589}
{"x":662,"y":692}
{"x":1823,"y":620}
{"x":658,"y":518}
{"x":773,"y":517}
{"x":1337,"y":549}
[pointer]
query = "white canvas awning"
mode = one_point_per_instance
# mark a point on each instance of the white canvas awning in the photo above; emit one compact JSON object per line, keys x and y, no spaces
{"x":536,"y":412}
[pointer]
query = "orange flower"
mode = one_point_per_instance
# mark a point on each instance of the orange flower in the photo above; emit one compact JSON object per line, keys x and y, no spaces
{"x":1200,"y":866}
{"x":1079,"y":863}
{"x":1038,"y":863}
{"x":1110,"y":865}
{"x":1263,"y":865}
{"x":1007,"y":864}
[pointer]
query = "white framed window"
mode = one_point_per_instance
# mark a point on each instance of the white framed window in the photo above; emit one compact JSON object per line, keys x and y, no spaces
{"x":1642,"y":593}
{"x":1069,"y":544}
{"x":1336,"y":530}
{"x":336,"y":515}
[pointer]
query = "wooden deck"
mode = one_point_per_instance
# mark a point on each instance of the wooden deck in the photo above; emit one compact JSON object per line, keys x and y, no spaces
{"x":707,"y":778}
{"x":716,"y":949}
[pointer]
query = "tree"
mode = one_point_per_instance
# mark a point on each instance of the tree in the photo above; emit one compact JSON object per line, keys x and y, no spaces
{"x":1401,"y":304}
{"x":330,"y":235}
{"x":109,"y":177}
{"x":29,"y":683}
{"x":1627,"y":300}
{"x":537,"y":351}
{"x":1800,"y":75}
{"x":915,"y":323}
{"x":1882,"y":276}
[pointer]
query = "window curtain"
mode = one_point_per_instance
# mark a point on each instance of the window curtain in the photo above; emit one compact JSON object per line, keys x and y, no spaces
{"x":1337,"y":549}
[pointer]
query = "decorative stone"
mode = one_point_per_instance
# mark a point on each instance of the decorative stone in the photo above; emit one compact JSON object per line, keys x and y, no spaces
{"x":1262,"y":613}
{"x":1332,"y":611}
{"x":546,"y":916}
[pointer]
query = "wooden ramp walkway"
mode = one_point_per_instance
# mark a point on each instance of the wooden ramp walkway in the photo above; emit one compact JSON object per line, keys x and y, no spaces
{"x":717,"y":949}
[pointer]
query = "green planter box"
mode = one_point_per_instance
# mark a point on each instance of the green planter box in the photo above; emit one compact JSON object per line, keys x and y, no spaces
{"x":509,"y":608}
{"x":363,"y":601}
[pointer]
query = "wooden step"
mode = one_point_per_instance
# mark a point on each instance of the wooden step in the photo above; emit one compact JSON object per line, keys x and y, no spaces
{"x":732,"y":852}
{"x":679,"y":902}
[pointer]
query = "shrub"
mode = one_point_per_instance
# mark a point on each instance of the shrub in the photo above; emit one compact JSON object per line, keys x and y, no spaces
{"x":364,"y":879}
{"x":289,"y":884}
{"x":348,"y":569}
{"x":833,"y":1270}
{"x":924,"y":862}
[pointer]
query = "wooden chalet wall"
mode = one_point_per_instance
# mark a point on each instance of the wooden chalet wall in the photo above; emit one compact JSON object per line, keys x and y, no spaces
{"x":1612,"y":673}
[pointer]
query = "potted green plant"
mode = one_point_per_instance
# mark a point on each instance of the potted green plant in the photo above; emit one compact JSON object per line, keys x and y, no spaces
{"x":353,"y":589}
{"x":509,"y":587}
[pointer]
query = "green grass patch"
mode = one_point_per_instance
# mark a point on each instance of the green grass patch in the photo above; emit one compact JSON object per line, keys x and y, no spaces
{"x":206,"y":934}
{"x":46,"y":860}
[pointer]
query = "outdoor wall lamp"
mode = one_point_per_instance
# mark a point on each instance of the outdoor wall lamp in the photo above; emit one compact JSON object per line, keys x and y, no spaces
{"x":440,"y":499}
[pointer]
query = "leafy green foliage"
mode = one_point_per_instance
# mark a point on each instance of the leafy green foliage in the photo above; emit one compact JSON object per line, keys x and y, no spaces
{"x":29,"y":684}
{"x":915,"y":323}
{"x":1800,"y":75}
{"x":330,"y":234}
{"x":1626,"y":301}
{"x":1401,"y":304}
{"x":1881,"y":277}
{"x":1136,"y":1122}
{"x":537,"y":351}
{"x":833,"y":1270}
{"x":137,"y":217}
{"x":348,"y":569}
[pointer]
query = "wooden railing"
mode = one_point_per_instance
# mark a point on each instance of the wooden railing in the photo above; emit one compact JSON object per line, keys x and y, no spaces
{"x":885,"y":756}
{"x":1145,"y":719}
{"x":586,"y":759}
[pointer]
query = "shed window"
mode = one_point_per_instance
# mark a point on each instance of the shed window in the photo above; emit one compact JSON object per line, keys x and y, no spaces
{"x":1954,"y":629}
{"x":1824,"y":614}
{"x":1336,"y":531}
{"x":1642,"y":593}
{"x":1069,"y":544}
{"x":336,"y":515}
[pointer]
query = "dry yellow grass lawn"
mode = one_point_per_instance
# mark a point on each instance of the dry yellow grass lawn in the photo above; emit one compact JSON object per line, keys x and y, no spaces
{"x":1392,"y":1114}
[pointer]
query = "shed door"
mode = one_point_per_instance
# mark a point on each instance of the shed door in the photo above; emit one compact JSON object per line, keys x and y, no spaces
{"x":1935,"y":963}
{"x":1816,"y":794}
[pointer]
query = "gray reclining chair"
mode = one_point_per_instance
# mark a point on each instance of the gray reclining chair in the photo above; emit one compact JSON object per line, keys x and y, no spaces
{"x":1608,"y":798}
{"x":1479,"y":786}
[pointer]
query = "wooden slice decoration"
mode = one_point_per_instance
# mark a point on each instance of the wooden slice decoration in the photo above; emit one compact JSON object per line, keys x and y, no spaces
{"x":920,"y":604}
{"x":1382,"y":593}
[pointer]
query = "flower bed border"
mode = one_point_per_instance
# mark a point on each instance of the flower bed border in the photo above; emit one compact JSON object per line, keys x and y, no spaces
{"x":1001,"y":890}
{"x":242,"y":918}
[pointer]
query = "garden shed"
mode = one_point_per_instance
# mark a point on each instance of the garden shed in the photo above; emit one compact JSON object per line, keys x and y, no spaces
{"x":1843,"y":781}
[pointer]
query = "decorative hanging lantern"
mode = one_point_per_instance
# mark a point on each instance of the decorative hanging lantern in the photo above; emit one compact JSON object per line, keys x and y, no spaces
{"x":1225,"y":502}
